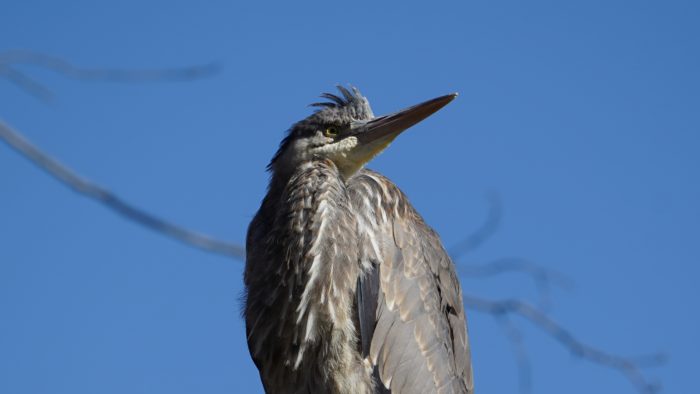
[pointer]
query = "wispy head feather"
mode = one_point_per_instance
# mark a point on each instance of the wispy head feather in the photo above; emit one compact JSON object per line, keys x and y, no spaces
{"x":351,"y":100}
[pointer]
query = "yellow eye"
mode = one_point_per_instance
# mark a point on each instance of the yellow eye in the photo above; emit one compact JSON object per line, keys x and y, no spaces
{"x":331,"y":131}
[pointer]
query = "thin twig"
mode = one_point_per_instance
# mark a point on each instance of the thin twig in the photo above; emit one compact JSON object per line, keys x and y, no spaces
{"x":542,"y":277}
{"x":98,"y":193}
{"x":484,"y":232}
{"x":26,"y":83}
{"x":10,"y":59}
{"x":67,"y":69}
{"x":519,"y":352}
{"x":628,"y":366}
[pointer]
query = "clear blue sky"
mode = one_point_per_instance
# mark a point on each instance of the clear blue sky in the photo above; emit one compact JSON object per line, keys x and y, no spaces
{"x":582,"y":115}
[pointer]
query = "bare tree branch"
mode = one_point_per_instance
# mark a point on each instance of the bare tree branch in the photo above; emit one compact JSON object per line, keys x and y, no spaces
{"x":10,"y":59}
{"x":519,"y":352}
{"x":542,"y":277}
{"x":98,"y":193}
{"x":24,"y":82}
{"x":628,"y":366}
{"x":484,"y":232}
{"x":67,"y":69}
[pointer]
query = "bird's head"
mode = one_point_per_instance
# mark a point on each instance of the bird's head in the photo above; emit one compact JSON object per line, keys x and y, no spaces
{"x":345,"y":131}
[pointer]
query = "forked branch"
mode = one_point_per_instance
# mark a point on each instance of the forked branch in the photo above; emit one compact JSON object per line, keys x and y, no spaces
{"x":628,"y":366}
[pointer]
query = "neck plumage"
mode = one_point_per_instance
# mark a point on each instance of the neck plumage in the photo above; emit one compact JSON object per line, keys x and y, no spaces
{"x":304,"y":261}
{"x":318,"y":240}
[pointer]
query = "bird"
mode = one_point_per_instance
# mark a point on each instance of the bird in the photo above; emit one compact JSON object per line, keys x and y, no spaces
{"x":347,"y":289}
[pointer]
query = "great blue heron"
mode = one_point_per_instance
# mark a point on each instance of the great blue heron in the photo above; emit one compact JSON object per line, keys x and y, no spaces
{"x":347,"y":289}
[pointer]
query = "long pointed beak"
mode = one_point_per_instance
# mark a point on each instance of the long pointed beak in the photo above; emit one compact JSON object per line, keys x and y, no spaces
{"x":392,"y":125}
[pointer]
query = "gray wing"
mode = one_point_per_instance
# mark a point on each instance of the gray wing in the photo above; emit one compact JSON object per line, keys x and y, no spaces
{"x":410,"y":313}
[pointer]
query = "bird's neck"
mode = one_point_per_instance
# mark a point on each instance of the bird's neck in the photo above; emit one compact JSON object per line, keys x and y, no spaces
{"x":313,"y":227}
{"x":283,"y":177}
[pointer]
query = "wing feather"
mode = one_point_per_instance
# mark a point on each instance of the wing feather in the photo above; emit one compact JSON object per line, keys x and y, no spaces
{"x":418,"y":340}
{"x":367,"y":298}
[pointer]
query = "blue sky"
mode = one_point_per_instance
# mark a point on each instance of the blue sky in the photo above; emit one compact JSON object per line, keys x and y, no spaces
{"x":582,"y":116}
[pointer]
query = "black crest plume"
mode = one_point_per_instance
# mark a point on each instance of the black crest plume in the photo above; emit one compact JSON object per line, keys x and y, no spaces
{"x":337,"y":101}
